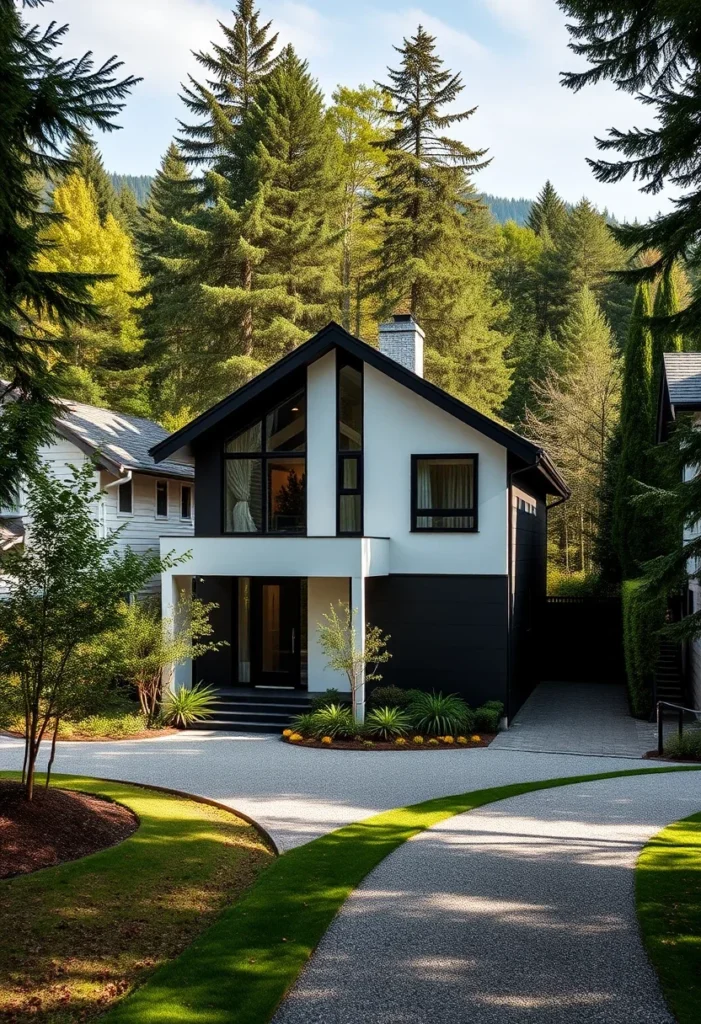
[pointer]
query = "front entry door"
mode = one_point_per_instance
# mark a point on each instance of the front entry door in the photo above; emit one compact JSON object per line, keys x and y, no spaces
{"x":275,"y":632}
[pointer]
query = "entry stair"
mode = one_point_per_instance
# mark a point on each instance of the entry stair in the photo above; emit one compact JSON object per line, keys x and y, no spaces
{"x":669,"y":680}
{"x":255,"y":709}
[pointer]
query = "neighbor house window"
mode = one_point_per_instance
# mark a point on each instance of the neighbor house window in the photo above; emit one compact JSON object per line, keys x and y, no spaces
{"x":349,"y":463}
{"x":162,"y":499}
{"x":265,"y":472}
{"x":13,"y":505}
{"x":186,"y":502}
{"x":126,"y":498}
{"x":444,"y":493}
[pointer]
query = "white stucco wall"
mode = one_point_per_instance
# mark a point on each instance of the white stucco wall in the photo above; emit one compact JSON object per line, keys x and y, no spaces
{"x":322,"y":593}
{"x":399,"y":424}
{"x":321,"y":447}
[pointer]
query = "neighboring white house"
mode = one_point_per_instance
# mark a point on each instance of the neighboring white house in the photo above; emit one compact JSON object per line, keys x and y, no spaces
{"x":680,"y":392}
{"x":340,"y":474}
{"x":146,"y":499}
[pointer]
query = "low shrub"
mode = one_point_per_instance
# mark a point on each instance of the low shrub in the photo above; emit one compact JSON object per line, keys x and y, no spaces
{"x":387,"y":723}
{"x":400,"y":741}
{"x":335,"y":721}
{"x":643,"y":618}
{"x":686,"y":745}
{"x":327,"y":740}
{"x":488,"y":716}
{"x":418,"y":740}
{"x":572,"y":584}
{"x":433,"y":742}
{"x":462,"y":740}
{"x":389,"y":697}
{"x":475,"y":739}
{"x":437,"y":714}
{"x":304,"y":724}
{"x":324,"y":700}
{"x":448,"y":739}
{"x":184,"y":706}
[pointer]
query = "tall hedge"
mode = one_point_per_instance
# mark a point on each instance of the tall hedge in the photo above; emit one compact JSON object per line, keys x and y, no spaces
{"x":643,"y":617}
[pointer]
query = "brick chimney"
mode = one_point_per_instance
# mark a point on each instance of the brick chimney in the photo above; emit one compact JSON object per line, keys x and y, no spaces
{"x":402,"y":339}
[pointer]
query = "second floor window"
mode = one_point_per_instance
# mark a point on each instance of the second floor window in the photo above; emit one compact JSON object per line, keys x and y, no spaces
{"x":162,"y":499}
{"x":349,"y":460}
{"x":444,"y":493}
{"x":265,"y":472}
{"x":186,"y":502}
{"x":126,"y":498}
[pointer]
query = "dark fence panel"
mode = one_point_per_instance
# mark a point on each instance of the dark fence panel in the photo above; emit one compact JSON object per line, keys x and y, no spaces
{"x":581,"y":640}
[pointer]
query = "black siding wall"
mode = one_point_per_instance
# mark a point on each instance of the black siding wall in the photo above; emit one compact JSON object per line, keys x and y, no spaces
{"x":216,"y":668}
{"x":448,"y":633}
{"x":529,"y":585}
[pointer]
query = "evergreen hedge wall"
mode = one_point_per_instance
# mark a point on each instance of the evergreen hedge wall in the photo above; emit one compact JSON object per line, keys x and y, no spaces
{"x":643,"y":617}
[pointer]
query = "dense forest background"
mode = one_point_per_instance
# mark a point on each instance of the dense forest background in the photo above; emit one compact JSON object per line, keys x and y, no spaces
{"x":276,"y":209}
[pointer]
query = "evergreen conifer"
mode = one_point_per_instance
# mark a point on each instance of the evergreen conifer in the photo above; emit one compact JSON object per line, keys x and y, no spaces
{"x":86,"y":160}
{"x":548,"y":212}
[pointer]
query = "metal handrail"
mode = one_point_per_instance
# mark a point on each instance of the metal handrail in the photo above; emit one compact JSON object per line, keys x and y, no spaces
{"x":660,"y":720}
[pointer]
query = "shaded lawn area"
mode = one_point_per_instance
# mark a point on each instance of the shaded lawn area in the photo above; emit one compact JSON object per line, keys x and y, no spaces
{"x":75,"y":937}
{"x":668,"y":897}
{"x":241,"y":968}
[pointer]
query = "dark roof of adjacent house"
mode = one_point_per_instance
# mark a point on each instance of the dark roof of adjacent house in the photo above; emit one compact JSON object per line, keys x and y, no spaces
{"x":334,"y":336}
{"x":120,"y":442}
{"x":680,"y":387}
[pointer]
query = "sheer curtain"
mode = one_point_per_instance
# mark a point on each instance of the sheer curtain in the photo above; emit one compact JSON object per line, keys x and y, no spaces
{"x":457,"y":491}
{"x":239,"y":473}
{"x":444,"y":485}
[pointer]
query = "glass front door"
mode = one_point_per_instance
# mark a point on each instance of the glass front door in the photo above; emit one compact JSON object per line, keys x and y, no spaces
{"x":276,"y":633}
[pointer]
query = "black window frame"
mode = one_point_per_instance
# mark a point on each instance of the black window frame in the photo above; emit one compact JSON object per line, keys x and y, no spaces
{"x":264,"y":456}
{"x":183,"y":489}
{"x":348,"y":453}
{"x":417,"y":513}
{"x":122,"y":489}
{"x":160,"y":484}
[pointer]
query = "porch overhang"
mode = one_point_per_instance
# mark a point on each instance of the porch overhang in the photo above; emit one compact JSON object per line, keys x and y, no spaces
{"x":357,"y":557}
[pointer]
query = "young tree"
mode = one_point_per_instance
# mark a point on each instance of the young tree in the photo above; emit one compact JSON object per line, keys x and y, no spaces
{"x":668,"y":302}
{"x":650,"y":49}
{"x":65,"y":590}
{"x":548,"y":213}
{"x":631,"y":533}
{"x":361,"y":124}
{"x":338,"y":638}
{"x":47,"y":103}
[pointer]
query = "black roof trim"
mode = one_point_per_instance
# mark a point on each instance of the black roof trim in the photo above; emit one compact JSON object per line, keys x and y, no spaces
{"x":334,"y":336}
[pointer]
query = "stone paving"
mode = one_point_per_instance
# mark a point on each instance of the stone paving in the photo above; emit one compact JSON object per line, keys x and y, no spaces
{"x":521,"y":911}
{"x":578,"y":718}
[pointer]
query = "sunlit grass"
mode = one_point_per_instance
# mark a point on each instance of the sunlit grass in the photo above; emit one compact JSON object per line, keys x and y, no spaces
{"x":73,"y":938}
{"x":241,"y":968}
{"x":668,"y":895}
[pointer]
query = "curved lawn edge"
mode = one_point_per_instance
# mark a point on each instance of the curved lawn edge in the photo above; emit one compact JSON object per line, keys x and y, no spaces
{"x":668,"y":902}
{"x":242,"y":967}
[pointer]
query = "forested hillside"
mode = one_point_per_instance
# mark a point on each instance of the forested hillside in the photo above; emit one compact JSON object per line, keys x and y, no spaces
{"x":140,"y":185}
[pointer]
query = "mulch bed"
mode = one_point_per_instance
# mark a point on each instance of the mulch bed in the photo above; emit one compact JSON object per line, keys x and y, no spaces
{"x":485,"y":740}
{"x":654,"y":756}
{"x":56,"y":826}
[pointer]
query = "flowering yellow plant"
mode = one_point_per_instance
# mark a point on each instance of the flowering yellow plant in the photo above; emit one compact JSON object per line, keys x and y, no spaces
{"x":327,"y":740}
{"x":286,"y":733}
{"x":462,"y":740}
{"x":433,"y":742}
{"x":418,"y":739}
{"x":476,"y":739}
{"x":449,"y":739}
{"x":294,"y":737}
{"x":400,"y":741}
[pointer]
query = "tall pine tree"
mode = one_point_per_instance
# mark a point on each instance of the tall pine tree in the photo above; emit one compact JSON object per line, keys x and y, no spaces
{"x":548,"y":213}
{"x":664,"y":337}
{"x":631,"y":532}
{"x":86,"y":160}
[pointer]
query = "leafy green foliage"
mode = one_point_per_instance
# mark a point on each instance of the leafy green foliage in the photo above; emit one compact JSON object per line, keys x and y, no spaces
{"x":322,"y":700}
{"x":387,"y":723}
{"x":304,"y":724}
{"x":187,"y":705}
{"x":334,"y":720}
{"x":337,"y":637}
{"x":390,"y":697}
{"x":488,"y":716}
{"x":438,"y":714}
{"x":686,"y":745}
{"x":643,"y":619}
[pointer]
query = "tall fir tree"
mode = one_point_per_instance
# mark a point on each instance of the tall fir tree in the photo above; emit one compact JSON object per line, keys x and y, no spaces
{"x":235,"y":69}
{"x":436,"y":235}
{"x":548,"y":213}
{"x":48,"y":102}
{"x":585,"y":330}
{"x":664,"y":337}
{"x":631,"y":531}
{"x":86,"y":160}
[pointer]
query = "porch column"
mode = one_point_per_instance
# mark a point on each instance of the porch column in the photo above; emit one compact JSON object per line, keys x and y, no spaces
{"x":358,"y":613}
{"x":173,"y":590}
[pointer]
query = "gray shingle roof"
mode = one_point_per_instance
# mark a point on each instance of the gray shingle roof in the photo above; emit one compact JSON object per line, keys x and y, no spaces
{"x":123,"y":441}
{"x":683,"y":375}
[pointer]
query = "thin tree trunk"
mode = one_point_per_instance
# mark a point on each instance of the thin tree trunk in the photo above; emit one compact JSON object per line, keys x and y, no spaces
{"x":52,"y":755}
{"x":567,"y":546}
{"x":358,"y":308}
{"x":581,"y":539}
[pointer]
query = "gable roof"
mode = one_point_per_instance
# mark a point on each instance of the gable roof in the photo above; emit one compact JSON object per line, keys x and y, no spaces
{"x":121,"y":442}
{"x":680,"y":388}
{"x":334,"y":336}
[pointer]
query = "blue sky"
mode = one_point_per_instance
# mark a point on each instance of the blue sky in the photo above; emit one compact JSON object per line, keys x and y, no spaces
{"x":509,"y":52}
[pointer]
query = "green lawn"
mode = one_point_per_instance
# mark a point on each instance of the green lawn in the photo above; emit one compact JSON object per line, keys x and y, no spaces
{"x":668,"y":895}
{"x":242,"y":966}
{"x":74,"y":938}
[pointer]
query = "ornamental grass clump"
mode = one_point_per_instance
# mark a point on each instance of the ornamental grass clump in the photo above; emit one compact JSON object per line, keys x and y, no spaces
{"x":335,"y":721}
{"x":185,"y":706}
{"x":438,"y":714}
{"x":387,"y":723}
{"x":303,"y":724}
{"x":686,"y":745}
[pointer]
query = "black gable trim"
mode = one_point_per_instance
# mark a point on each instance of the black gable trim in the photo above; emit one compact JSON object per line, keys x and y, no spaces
{"x":334,"y":336}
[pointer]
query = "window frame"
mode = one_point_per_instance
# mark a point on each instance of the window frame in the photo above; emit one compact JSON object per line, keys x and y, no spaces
{"x":130,"y":485}
{"x":454,"y":513}
{"x":263,"y":456}
{"x":348,"y":453}
{"x":188,"y":517}
{"x":158,"y":483}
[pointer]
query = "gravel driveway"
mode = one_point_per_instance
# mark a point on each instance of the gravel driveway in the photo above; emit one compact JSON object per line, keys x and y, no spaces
{"x":521,"y":911}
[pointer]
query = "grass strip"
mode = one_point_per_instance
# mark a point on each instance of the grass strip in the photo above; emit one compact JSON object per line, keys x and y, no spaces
{"x":77,"y":936}
{"x":668,"y":899}
{"x":241,"y":968}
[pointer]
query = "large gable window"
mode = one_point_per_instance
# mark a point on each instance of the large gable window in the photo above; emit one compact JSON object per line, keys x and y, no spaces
{"x":349,"y":463}
{"x":444,"y":493}
{"x":265,"y":473}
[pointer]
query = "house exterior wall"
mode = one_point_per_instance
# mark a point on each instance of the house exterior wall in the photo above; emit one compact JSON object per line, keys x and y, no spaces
{"x":322,"y":593}
{"x":528,"y":589}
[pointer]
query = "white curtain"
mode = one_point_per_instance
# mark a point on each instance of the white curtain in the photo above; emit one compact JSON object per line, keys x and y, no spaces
{"x":457,"y":491}
{"x":238,"y":484}
{"x":444,"y":485}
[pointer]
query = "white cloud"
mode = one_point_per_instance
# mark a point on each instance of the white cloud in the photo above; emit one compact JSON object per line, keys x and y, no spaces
{"x":309,"y":32}
{"x":538,"y":20}
{"x":403,"y":23}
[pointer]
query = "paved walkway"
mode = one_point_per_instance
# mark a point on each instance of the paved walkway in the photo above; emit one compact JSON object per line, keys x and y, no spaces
{"x":578,"y":718}
{"x":299,"y":794}
{"x":521,"y":911}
